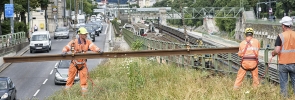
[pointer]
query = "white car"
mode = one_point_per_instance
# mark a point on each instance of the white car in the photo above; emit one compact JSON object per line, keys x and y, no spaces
{"x":40,"y":41}
{"x":61,"y":32}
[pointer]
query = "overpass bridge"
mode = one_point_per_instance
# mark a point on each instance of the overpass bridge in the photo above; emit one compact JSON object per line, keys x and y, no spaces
{"x":164,"y":13}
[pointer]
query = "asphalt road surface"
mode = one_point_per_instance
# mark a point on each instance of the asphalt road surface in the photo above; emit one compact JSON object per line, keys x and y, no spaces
{"x":36,"y":79}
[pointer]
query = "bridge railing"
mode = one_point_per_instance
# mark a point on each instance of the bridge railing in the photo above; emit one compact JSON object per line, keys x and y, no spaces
{"x":267,"y":22}
{"x":9,"y":42}
{"x":222,"y":62}
{"x":116,"y":27}
{"x":12,"y":39}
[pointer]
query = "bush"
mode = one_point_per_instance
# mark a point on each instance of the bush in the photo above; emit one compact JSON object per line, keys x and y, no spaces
{"x":136,"y":45}
{"x":5,"y":25}
{"x":18,"y":27}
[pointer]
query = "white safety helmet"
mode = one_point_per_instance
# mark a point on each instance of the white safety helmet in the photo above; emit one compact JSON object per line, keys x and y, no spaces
{"x":286,"y":21}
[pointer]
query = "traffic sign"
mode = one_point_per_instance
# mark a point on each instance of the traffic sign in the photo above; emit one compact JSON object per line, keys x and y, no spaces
{"x":9,"y":10}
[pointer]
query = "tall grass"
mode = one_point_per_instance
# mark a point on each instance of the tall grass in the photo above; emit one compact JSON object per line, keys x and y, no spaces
{"x":142,"y":79}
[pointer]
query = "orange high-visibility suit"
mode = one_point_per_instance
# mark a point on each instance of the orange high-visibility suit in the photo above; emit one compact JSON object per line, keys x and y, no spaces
{"x":249,"y":61}
{"x":79,"y":65}
{"x":287,"y":54}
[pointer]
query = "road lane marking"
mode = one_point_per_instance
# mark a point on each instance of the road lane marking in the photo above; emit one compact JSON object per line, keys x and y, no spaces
{"x":51,"y":72}
{"x":105,"y":32}
{"x":45,"y":81}
{"x":36,"y":92}
{"x":56,"y":64}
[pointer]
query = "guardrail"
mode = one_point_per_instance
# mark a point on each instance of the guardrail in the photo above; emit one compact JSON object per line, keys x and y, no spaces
{"x":9,"y":42}
{"x":266,"y":22}
{"x":12,"y":39}
{"x":223,"y":62}
{"x":116,"y":28}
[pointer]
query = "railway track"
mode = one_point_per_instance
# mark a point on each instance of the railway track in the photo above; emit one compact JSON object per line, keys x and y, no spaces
{"x":273,"y":74}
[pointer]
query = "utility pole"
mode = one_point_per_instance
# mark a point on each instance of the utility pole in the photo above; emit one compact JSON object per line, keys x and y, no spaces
{"x":70,"y":9}
{"x":269,"y":3}
{"x":76,"y":19}
{"x":11,"y":21}
{"x":118,"y":9}
{"x":129,"y":17}
{"x":28,"y":18}
{"x":183,"y":23}
{"x":64,"y":17}
{"x":82,"y":5}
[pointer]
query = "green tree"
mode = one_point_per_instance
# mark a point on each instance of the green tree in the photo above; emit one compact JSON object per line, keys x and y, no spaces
{"x":33,"y":5}
{"x":88,"y":7}
{"x":287,"y":5}
{"x":188,"y":22}
{"x":17,"y":9}
{"x":2,"y":2}
{"x":134,"y":5}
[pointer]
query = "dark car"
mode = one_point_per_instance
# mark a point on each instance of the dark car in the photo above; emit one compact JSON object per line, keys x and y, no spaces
{"x":90,"y":31}
{"x":96,"y":28}
{"x":99,"y":23}
{"x":7,"y":89}
{"x":61,"y":72}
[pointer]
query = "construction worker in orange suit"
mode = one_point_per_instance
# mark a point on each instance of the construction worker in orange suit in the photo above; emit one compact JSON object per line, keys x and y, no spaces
{"x":285,"y":49}
{"x":79,"y":45}
{"x":248,"y":51}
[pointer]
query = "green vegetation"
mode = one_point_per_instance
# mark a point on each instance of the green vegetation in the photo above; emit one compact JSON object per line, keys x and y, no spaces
{"x":18,"y":27}
{"x":228,"y":24}
{"x":136,"y":45}
{"x":142,"y":79}
{"x":87,"y":6}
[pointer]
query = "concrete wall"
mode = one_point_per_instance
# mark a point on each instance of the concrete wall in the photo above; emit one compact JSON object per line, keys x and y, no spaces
{"x":58,"y":14}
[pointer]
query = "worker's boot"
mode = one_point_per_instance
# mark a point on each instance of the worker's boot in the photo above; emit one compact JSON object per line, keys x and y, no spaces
{"x":66,"y":89}
{"x":84,"y":92}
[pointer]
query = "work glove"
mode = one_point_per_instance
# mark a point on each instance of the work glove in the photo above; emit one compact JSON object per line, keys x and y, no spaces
{"x":100,"y":52}
{"x":63,"y":54}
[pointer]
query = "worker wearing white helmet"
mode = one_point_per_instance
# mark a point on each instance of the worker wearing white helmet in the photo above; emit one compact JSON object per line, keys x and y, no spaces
{"x":285,"y":49}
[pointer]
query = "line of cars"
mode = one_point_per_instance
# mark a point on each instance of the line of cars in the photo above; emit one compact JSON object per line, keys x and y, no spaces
{"x":93,"y":28}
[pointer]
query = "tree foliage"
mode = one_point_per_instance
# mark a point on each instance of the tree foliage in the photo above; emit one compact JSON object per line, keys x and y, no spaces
{"x":87,"y":6}
{"x":228,"y":24}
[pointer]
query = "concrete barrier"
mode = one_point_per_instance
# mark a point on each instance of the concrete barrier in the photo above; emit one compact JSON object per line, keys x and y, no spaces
{"x":18,"y":50}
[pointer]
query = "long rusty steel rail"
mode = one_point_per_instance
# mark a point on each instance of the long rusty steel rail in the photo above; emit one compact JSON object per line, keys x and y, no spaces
{"x":123,"y":54}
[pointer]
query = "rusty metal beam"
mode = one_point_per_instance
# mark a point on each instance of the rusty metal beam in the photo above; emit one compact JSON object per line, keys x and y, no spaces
{"x":123,"y":54}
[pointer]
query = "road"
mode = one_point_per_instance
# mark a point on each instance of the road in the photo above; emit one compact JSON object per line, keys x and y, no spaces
{"x":36,"y":79}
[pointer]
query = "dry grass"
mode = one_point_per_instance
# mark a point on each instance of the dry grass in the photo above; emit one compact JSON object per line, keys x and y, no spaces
{"x":141,"y":79}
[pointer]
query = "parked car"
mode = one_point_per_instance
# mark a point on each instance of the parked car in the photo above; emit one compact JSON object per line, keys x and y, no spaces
{"x":62,"y":32}
{"x":7,"y":89}
{"x":40,"y":41}
{"x":61,"y":72}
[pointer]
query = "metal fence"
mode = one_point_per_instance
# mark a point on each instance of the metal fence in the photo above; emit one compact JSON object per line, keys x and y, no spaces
{"x":8,"y":41}
{"x":266,"y":22}
{"x":223,"y":62}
